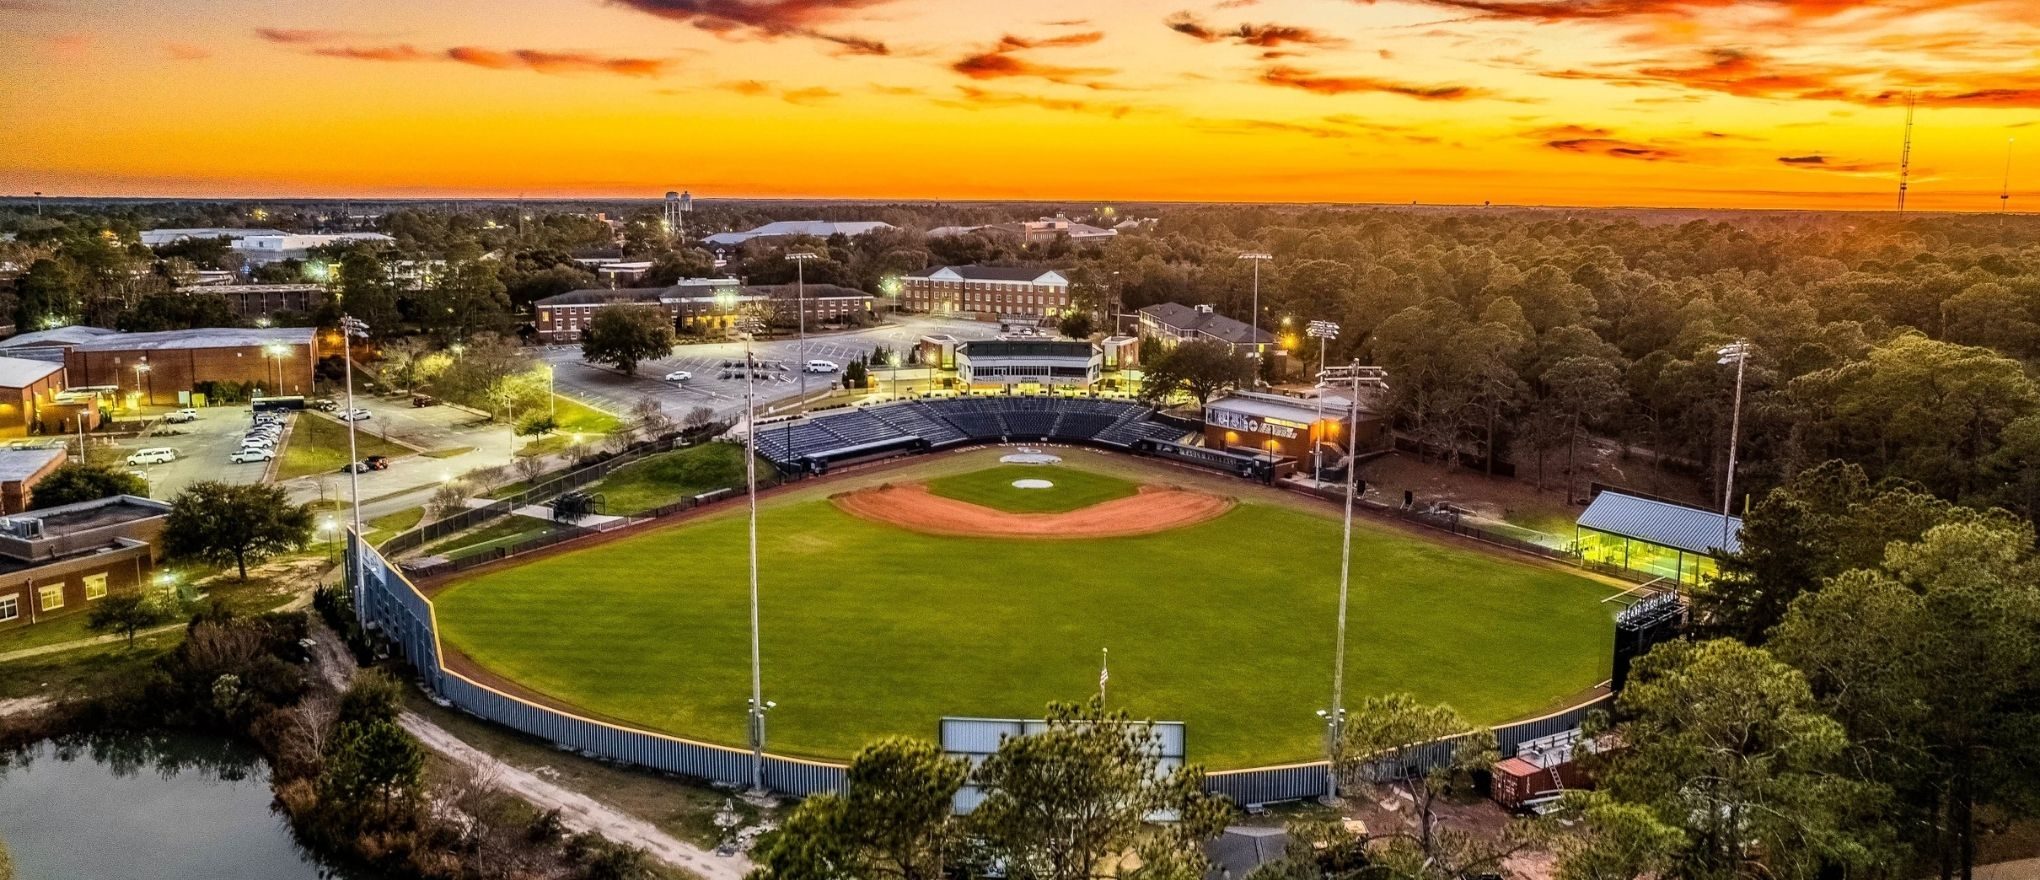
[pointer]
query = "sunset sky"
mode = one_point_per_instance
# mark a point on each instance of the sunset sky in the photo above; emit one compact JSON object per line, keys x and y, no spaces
{"x":1773,"y":103}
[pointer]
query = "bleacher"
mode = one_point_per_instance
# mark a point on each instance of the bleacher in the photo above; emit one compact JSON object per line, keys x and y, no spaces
{"x":929,"y":424}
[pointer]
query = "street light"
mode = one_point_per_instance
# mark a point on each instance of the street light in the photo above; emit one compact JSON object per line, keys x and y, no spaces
{"x":1738,"y":353}
{"x":326,"y":527}
{"x":275,"y":352}
{"x":1337,"y":716}
{"x":141,"y":370}
{"x":1257,"y":258}
{"x":1324,"y":332}
{"x":757,"y":706}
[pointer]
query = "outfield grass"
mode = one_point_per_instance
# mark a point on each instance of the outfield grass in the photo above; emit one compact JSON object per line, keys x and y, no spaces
{"x":318,"y":445}
{"x":668,"y":477}
{"x":993,"y":487}
{"x":871,"y":630}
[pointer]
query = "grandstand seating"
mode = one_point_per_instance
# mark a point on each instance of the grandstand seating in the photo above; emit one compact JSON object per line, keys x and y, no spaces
{"x":944,"y":422}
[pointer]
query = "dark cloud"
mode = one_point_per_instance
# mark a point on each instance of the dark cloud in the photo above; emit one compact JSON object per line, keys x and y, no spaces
{"x":1613,"y":148}
{"x":1324,"y":84}
{"x":1548,"y":11}
{"x":1266,"y":36}
{"x":1818,"y":162}
{"x":300,"y":36}
{"x":768,"y":19}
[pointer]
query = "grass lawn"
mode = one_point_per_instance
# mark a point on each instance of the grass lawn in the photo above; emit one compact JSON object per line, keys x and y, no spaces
{"x":573,"y":416}
{"x":98,"y":669}
{"x":993,"y":487}
{"x":318,"y":445}
{"x":501,"y":533}
{"x":668,"y":477}
{"x":870,"y":630}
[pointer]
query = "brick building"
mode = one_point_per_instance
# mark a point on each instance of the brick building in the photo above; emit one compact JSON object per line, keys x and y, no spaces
{"x":61,"y":560}
{"x":28,"y":397}
{"x":702,"y":306}
{"x":21,"y":468}
{"x":987,"y":293}
{"x":277,"y":360}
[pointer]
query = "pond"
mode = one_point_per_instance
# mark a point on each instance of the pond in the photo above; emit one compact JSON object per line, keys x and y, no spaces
{"x":146,"y":807}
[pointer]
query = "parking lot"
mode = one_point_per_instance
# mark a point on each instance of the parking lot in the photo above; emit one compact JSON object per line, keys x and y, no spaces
{"x":610,"y":390}
{"x":202,"y":450}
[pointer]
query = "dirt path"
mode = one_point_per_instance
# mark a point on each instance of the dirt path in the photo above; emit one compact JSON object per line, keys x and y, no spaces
{"x":1154,"y":509}
{"x":577,"y":810}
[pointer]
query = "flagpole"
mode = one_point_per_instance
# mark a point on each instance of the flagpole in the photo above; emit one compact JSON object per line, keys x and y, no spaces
{"x":1104,"y":673}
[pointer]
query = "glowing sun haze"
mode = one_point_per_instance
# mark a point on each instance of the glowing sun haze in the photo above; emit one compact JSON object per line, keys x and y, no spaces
{"x":1772,"y":103}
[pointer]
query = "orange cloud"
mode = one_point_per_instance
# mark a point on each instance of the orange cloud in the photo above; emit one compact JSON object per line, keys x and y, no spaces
{"x":1817,"y":162}
{"x":186,"y":52}
{"x":535,"y":60}
{"x":980,"y":99}
{"x":1000,"y":62}
{"x":1311,"y":81}
{"x":809,"y":95}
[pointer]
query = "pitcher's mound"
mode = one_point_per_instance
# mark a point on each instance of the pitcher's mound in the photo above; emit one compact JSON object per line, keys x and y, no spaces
{"x":1153,"y":509}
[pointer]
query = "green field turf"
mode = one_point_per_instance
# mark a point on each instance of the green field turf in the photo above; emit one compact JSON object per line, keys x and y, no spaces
{"x":993,"y":487}
{"x":872,"y":630}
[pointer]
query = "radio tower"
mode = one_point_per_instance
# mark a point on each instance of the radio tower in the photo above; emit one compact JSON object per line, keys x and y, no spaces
{"x":1905,"y":156}
{"x":2005,"y":195}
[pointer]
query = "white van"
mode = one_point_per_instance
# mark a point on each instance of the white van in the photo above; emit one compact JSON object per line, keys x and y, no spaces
{"x":822,"y":366}
{"x":153,"y":455}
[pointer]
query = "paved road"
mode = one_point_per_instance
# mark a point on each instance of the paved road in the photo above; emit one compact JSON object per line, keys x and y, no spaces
{"x":608,"y":389}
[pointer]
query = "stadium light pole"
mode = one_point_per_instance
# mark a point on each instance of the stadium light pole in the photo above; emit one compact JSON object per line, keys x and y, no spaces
{"x":351,"y":327}
{"x":800,"y":259}
{"x":1324,"y":332}
{"x":1738,"y":353}
{"x":757,"y":705}
{"x":1336,"y":719}
{"x":1257,"y":258}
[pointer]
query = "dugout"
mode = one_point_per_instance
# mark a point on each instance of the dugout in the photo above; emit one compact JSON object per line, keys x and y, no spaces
{"x":1655,"y":538}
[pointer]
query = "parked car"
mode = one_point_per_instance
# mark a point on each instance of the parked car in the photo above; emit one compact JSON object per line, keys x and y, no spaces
{"x":326,"y":405}
{"x":152,"y":455}
{"x":377,"y":462}
{"x":181,"y":416}
{"x":822,"y":366}
{"x":679,"y":376}
{"x":244,"y":455}
{"x":423,"y":400}
{"x":355,"y":415}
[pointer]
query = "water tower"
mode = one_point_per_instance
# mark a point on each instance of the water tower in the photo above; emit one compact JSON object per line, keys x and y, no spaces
{"x":678,"y":205}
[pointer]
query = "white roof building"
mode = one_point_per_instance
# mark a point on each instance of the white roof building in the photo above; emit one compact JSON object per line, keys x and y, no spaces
{"x":154,"y":237}
{"x":285,"y":245}
{"x":784,"y":228}
{"x":22,"y":372}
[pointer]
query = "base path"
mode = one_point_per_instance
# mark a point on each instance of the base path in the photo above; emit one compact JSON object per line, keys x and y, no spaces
{"x":913,"y":507}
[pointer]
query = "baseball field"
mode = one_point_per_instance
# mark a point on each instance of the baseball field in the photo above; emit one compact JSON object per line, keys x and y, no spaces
{"x":1215,"y":597}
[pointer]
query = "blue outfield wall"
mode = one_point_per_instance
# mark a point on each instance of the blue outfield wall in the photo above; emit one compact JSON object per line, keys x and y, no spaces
{"x":401,"y":614}
{"x":404,"y":616}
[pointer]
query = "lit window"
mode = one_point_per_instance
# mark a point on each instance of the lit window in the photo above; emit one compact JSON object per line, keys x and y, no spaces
{"x":50,"y":598}
{"x":95,"y":586}
{"x":10,"y":608}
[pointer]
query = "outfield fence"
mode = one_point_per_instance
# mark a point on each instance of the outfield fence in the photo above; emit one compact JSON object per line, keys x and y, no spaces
{"x":395,"y":609}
